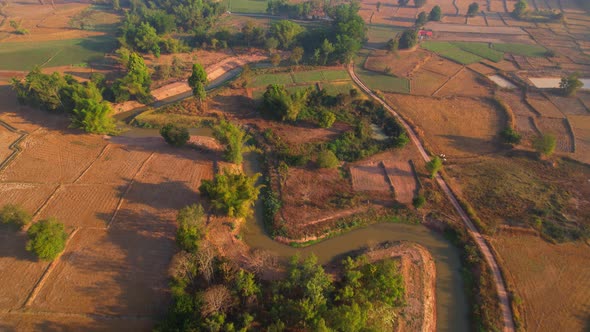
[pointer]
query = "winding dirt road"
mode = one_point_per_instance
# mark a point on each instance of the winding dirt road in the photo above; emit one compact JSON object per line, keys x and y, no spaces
{"x":481,"y":243}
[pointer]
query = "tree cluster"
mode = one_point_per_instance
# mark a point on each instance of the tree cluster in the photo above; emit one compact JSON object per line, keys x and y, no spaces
{"x":302,"y":10}
{"x":175,"y":135}
{"x":83,"y":102}
{"x":232,"y":194}
{"x":136,"y":83}
{"x":368,"y":298}
{"x":233,"y":137}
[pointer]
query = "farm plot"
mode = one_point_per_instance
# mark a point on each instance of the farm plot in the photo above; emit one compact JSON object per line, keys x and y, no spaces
{"x":30,"y":196}
{"x":380,"y":34}
{"x":560,"y":130}
{"x":523,"y":115}
{"x":20,"y":269}
{"x":400,"y":64}
{"x":117,"y":165}
{"x":443,"y":123}
{"x":168,"y":166}
{"x":581,"y":126}
{"x":246,"y":6}
{"x":482,"y":69}
{"x":380,"y":81}
{"x":50,"y":157}
{"x":539,"y":271}
{"x":452,"y":52}
{"x":401,"y":177}
{"x":266,"y":79}
{"x":108,"y":272}
{"x":465,"y":83}
{"x":425,"y":82}
{"x":569,"y":106}
{"x":83,"y":205}
{"x":7,"y":137}
{"x":543,"y":106}
{"x":369,"y":177}
{"x":442,"y":66}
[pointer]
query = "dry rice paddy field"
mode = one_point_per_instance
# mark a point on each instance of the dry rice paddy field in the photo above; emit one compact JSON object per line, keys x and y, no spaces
{"x":552,"y":281}
{"x":118,"y":200}
{"x":442,"y":123}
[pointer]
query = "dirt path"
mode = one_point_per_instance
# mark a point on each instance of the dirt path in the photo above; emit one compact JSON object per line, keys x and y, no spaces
{"x":479,"y":239}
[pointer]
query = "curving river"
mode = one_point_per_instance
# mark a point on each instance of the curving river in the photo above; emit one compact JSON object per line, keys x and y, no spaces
{"x":452,"y":312}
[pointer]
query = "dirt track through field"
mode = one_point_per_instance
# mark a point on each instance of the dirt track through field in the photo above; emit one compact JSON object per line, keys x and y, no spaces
{"x":503,"y":295}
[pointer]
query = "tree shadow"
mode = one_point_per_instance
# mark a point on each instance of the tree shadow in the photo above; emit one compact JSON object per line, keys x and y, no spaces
{"x":472,"y":145}
{"x":12,"y":244}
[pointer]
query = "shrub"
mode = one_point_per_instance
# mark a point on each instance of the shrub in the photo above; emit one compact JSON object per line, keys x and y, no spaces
{"x":473,"y":9}
{"x":14,"y":215}
{"x":545,"y":144}
{"x":327,"y":159}
{"x":510,"y":136}
{"x":174,"y":135}
{"x":570,"y":84}
{"x":190,"y":227}
{"x":435,"y":14}
{"x":326,"y":119}
{"x":232,"y":194}
{"x":422,"y":19}
{"x":419,"y":201}
{"x":434,"y":166}
{"x":233,"y":138}
{"x":408,"y":39}
{"x":47,"y":239}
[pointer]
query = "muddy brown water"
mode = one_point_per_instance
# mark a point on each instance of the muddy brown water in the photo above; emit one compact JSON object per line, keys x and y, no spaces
{"x":452,"y":311}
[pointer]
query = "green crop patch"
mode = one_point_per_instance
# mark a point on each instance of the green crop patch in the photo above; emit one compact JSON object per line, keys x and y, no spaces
{"x":481,"y":49}
{"x":247,"y":6}
{"x":266,"y":79}
{"x":308,"y":76}
{"x":451,"y":52}
{"x":521,"y":49}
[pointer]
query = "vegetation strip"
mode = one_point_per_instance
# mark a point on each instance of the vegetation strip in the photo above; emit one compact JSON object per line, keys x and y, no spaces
{"x":473,"y":232}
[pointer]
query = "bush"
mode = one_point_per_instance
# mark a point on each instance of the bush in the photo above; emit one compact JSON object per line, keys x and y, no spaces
{"x":190,"y":227}
{"x":434,"y":166}
{"x":233,"y":138}
{"x":570,"y":84}
{"x":419,"y":201}
{"x":510,"y":136}
{"x":435,"y":14}
{"x":47,"y":239}
{"x":327,"y":159}
{"x":14,"y":215}
{"x":326,"y":119}
{"x":232,"y":194}
{"x":174,"y":135}
{"x":545,"y":144}
{"x":408,"y":39}
{"x":473,"y":9}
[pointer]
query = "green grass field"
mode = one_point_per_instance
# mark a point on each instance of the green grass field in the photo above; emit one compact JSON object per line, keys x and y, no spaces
{"x":335,"y":75}
{"x":379,"y":81}
{"x":452,"y":52}
{"x":266,"y":79}
{"x":247,"y":6}
{"x":300,"y":77}
{"x":381,"y":33}
{"x":481,"y":49}
{"x":336,"y":88}
{"x":25,"y":56}
{"x":521,"y":49}
{"x":308,"y":76}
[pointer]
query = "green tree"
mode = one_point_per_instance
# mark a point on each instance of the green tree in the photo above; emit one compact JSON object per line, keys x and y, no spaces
{"x":422,"y":19}
{"x":570,"y":84}
{"x":545,"y":144}
{"x":520,"y":8}
{"x":175,"y":135}
{"x":136,"y":83}
{"x":408,"y":39}
{"x":278,"y":103}
{"x":326,"y":119}
{"x":473,"y":9}
{"x":47,"y":239}
{"x":392,"y":45}
{"x":191,"y":228}
{"x":14,"y":215}
{"x":327,"y":49}
{"x":296,"y":55}
{"x":378,"y":5}
{"x":245,"y":285}
{"x":435,"y":14}
{"x":510,"y":136}
{"x":327,"y":159}
{"x":418,"y":201}
{"x":146,"y":39}
{"x":271,"y":44}
{"x":285,"y":32}
{"x":419,"y":3}
{"x":197,"y":81}
{"x":233,"y":138}
{"x":275,"y":59}
{"x":93,"y":116}
{"x":434,"y":166}
{"x":232,"y":194}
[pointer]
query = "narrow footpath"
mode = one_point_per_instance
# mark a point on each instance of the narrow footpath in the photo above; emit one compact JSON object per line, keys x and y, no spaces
{"x":481,"y":243}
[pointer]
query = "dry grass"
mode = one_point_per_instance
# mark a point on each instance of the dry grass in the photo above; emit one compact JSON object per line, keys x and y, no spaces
{"x":401,"y":176}
{"x":581,"y":126}
{"x":442,"y":66}
{"x":558,"y":128}
{"x":543,"y":106}
{"x":369,"y":177}
{"x":553,"y":281}
{"x":466,"y":83}
{"x":401,"y":64}
{"x":457,"y":127}
{"x":425,"y":82}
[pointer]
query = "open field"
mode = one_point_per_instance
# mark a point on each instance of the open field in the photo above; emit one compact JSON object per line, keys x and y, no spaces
{"x":472,"y":52}
{"x":523,"y":114}
{"x":118,"y":201}
{"x":452,"y":52}
{"x":442,"y":122}
{"x":369,"y":177}
{"x":581,"y":127}
{"x":425,"y":82}
{"x":559,"y":129}
{"x":299,"y":77}
{"x":400,"y":64}
{"x":401,"y":177}
{"x":442,"y":66}
{"x":465,"y":83}
{"x":520,"y":191}
{"x":377,"y":80}
{"x":543,"y":106}
{"x":246,"y":6}
{"x":552,"y":281}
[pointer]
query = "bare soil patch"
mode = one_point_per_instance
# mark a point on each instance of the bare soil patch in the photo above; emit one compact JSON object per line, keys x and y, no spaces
{"x":400,"y":64}
{"x":543,"y":106}
{"x":569,"y":106}
{"x":558,"y":128}
{"x":30,"y":196}
{"x":425,"y":82}
{"x":83,"y":205}
{"x":117,"y":165}
{"x":7,"y":137}
{"x":466,"y":83}
{"x":369,"y":177}
{"x":552,"y":280}
{"x":63,"y":322}
{"x":442,"y":66}
{"x":401,"y":176}
{"x":444,"y":123}
{"x":481,"y":69}
{"x":581,"y":127}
